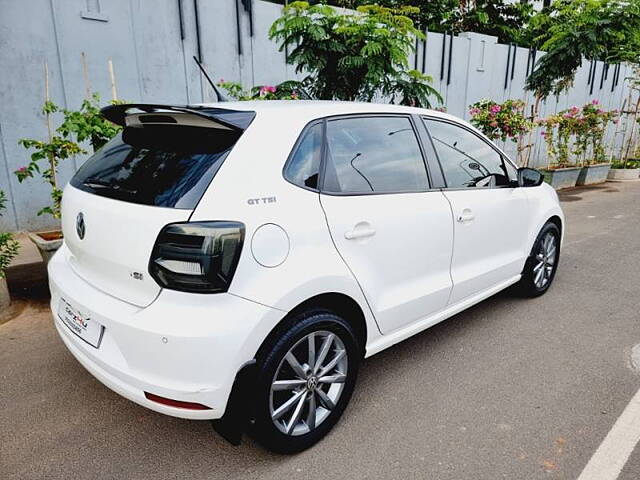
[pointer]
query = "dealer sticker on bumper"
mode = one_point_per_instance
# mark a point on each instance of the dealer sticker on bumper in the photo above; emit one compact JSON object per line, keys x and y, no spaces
{"x":82,"y":325}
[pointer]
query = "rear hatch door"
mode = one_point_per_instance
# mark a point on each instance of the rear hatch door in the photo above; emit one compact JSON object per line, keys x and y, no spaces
{"x":152,"y":174}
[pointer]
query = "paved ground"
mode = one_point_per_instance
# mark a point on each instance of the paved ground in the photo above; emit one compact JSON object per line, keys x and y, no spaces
{"x":518,"y":389}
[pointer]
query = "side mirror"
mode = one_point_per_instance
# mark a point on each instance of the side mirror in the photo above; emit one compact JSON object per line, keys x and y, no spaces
{"x":529,"y":177}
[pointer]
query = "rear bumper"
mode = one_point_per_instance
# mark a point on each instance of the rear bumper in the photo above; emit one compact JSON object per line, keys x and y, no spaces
{"x":185,"y":347}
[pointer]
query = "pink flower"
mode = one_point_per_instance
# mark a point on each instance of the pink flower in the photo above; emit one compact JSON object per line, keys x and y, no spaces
{"x":221,"y":80}
{"x":594,"y":101}
{"x":267,"y":89}
{"x":494,"y":124}
{"x":495,"y":108}
{"x":22,"y":169}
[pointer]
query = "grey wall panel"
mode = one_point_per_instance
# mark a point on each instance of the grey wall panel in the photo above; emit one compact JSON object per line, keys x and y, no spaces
{"x":434,"y":61}
{"x":154,"y":64}
{"x":268,"y":63}
{"x":27,"y":40}
{"x":456,"y":76}
{"x":220,"y":51}
{"x":160,"y":57}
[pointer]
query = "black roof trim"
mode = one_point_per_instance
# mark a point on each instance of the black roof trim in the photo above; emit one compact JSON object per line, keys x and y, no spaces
{"x":237,"y":120}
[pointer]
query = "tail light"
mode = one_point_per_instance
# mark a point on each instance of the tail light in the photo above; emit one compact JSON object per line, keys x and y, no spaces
{"x":199,"y":257}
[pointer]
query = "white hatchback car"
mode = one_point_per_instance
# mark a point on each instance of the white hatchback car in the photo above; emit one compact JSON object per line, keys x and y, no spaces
{"x":237,"y":261}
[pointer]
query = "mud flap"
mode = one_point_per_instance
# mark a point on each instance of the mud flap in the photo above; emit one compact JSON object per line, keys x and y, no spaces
{"x":239,"y":407}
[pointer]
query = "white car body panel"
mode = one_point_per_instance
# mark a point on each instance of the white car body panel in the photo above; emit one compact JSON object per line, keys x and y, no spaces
{"x":189,"y":347}
{"x":490,"y":240}
{"x":118,"y":242}
{"x":250,"y":186}
{"x":402,"y":263}
{"x":177,"y":348}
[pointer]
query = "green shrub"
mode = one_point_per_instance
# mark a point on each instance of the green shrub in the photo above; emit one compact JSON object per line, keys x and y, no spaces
{"x":9,"y":246}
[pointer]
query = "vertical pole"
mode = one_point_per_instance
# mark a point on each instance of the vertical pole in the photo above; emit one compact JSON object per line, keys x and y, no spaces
{"x":112,"y":77}
{"x":450,"y":57}
{"x":197,"y":20}
{"x":424,"y":50}
{"x":85,"y":75}
{"x":626,"y":125}
{"x":506,"y":72}
{"x":181,"y":19}
{"x":52,"y":164}
{"x":616,"y":131}
{"x":633,"y":128}
{"x":444,"y":49}
{"x":593,"y":77}
{"x":238,"y":28}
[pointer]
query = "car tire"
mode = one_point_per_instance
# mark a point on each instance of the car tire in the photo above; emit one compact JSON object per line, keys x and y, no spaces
{"x":542,"y":263}
{"x":283,"y":422}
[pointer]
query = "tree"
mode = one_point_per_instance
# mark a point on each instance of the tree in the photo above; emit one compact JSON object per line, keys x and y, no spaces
{"x":435,"y":15}
{"x":507,"y":21}
{"x":353,"y":56}
{"x":568,"y":30}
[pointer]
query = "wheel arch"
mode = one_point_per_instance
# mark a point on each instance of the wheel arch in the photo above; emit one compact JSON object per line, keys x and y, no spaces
{"x":557,"y":221}
{"x":335,"y":302}
{"x":553,"y":215}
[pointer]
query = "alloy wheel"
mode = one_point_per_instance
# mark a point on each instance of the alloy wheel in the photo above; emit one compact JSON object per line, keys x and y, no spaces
{"x":308,"y":383}
{"x":545,"y":260}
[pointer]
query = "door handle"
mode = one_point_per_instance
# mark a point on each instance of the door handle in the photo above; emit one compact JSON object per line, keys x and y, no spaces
{"x":466,"y":216}
{"x":357,"y":233}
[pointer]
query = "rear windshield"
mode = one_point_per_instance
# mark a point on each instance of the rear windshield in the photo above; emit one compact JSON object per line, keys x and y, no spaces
{"x":161,"y":165}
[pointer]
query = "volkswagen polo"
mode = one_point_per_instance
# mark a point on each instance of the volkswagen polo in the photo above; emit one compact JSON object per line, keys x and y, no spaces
{"x":236,"y":262}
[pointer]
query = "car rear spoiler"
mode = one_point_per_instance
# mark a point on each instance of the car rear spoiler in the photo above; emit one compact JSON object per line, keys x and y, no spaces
{"x":237,"y":120}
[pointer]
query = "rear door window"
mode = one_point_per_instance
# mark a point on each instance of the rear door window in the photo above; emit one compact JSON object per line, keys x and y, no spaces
{"x":378,"y":154}
{"x":160,"y":165}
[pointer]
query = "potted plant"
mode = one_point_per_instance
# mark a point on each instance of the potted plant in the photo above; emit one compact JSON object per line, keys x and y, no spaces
{"x":589,"y":129}
{"x":626,"y":170}
{"x":51,"y":152}
{"x":8,"y":250}
{"x":83,"y":125}
{"x":560,"y":172}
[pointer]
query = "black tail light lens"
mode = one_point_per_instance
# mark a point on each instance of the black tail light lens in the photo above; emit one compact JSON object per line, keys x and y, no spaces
{"x":199,"y":257}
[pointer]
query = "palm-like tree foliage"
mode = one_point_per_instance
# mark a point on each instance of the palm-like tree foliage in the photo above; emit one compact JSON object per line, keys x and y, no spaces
{"x":569,"y":30}
{"x":352,"y":56}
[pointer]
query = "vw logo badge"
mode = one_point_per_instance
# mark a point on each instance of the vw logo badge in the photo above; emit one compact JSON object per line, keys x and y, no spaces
{"x":80,"y":227}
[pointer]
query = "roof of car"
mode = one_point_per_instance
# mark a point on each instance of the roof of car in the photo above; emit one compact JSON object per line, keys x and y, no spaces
{"x":323,"y":107}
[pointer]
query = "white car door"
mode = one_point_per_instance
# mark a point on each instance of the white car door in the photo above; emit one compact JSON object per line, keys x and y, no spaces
{"x":491,"y":214}
{"x":392,"y":231}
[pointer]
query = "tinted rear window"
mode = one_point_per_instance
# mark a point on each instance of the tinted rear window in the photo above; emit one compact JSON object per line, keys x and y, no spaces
{"x":161,"y":165}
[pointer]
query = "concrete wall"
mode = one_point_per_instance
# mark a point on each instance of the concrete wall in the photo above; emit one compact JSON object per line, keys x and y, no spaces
{"x":152,"y":58}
